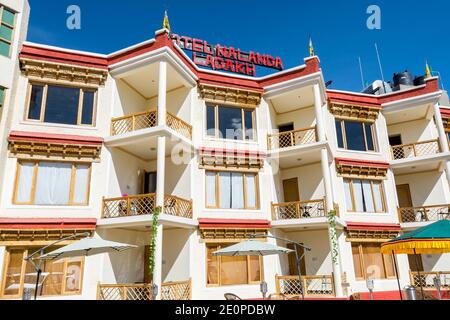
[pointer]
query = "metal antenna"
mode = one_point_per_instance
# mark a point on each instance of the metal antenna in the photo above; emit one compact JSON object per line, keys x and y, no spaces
{"x":362,"y":74}
{"x":381,"y":68}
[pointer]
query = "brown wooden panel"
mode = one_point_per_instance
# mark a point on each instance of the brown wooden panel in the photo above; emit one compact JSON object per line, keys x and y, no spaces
{"x":290,"y":189}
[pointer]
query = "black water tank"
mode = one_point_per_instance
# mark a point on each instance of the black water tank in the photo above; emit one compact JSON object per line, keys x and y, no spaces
{"x":419,"y":80}
{"x":404,"y":78}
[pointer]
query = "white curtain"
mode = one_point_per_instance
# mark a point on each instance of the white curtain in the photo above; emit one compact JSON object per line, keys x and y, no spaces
{"x":368,"y":199}
{"x":348,"y":195}
{"x":225,"y":190}
{"x":25,"y":182}
{"x":251,"y":190}
{"x":81,"y":184}
{"x":211,"y":189}
{"x":53,"y":183}
{"x":377,"y":195}
{"x":359,"y":200}
{"x":237,"y":191}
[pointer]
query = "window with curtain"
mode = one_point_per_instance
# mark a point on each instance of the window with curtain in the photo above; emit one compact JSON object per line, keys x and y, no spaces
{"x":231,"y":190}
{"x":61,"y":104}
{"x":224,"y":271}
{"x":232,"y":123}
{"x":7,"y":22}
{"x":370,"y":263}
{"x":61,"y":277}
{"x":364,"y":195}
{"x":52,"y":183}
{"x":355,"y":135}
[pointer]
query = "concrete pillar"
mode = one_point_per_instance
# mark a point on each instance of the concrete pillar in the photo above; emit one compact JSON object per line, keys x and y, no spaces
{"x":160,"y":169}
{"x":157,"y":272}
{"x":162,"y":92}
{"x":319,"y":115}
{"x":443,"y":142}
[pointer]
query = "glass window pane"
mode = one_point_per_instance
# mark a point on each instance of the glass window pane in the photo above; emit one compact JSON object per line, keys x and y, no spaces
{"x":251,"y":190}
{"x":358,"y":194}
{"x":368,"y":199}
{"x":369,"y":138}
{"x":23,"y":193}
{"x":13,"y":272}
{"x":249,"y":125}
{"x":210,"y":121}
{"x":212,"y":265}
{"x":234,"y":270}
{"x":357,"y":261}
{"x":53,"y":283}
{"x":6,"y":32}
{"x":2,"y":96}
{"x":211,"y":189}
{"x":340,"y":136}
{"x":8,"y":16}
{"x":354,"y":135}
{"x":348,"y":195}
{"x":255,"y":269}
{"x":87,"y":115}
{"x":378,"y":196}
{"x":62,"y":105}
{"x":53,"y":183}
{"x":225,"y":190}
{"x":4,"y":48}
{"x":81,"y":184}
{"x":230,"y":123}
{"x":389,"y":265}
{"x":34,"y":110}
{"x":373,"y":261}
{"x":237,"y":191}
{"x":72,"y":281}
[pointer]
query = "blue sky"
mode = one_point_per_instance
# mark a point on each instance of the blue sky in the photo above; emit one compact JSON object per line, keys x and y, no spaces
{"x":411,"y":31}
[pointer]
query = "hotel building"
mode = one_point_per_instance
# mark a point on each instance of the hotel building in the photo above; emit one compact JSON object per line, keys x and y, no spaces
{"x":95,"y":143}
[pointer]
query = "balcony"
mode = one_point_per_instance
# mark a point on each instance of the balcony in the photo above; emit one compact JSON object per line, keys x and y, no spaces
{"x":169,"y":291}
{"x":426,"y":279}
{"x":319,"y":286}
{"x":424,"y":214}
{"x":299,"y":210}
{"x":292,"y":138}
{"x":407,"y":151}
{"x":141,"y":205}
{"x":148,"y":119}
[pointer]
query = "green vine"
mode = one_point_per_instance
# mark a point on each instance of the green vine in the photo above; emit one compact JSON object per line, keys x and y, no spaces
{"x":333,"y":236}
{"x":154,"y":229}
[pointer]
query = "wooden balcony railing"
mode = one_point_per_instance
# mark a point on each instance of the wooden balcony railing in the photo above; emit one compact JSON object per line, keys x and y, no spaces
{"x":169,"y":291}
{"x":426,"y":279}
{"x":314,"y":286}
{"x":148,"y":119}
{"x":292,"y":138}
{"x":424,"y":214}
{"x":299,"y":210}
{"x":144,"y":204}
{"x":413,"y":150}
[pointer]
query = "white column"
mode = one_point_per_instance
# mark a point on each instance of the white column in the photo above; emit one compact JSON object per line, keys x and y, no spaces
{"x":162,"y":92}
{"x":337,"y":277}
{"x":160,"y":172}
{"x":157,"y":272}
{"x":443,"y":142}
{"x":319,"y":114}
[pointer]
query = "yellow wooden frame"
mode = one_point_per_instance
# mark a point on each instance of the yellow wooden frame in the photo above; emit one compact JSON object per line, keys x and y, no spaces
{"x":364,"y":124}
{"x":372,"y":182}
{"x":44,"y":102}
{"x":363,"y":265}
{"x":216,"y":121}
{"x":244,"y":175}
{"x":9,"y":42}
{"x":33,"y":185}
{"x":22,"y":275}
{"x":219,"y":246}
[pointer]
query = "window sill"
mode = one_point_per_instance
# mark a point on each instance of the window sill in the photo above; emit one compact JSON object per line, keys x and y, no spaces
{"x":373,"y":153}
{"x":219,"y":210}
{"x":250,"y":142}
{"x":369,"y":214}
{"x":46,"y":207}
{"x":57,"y":125}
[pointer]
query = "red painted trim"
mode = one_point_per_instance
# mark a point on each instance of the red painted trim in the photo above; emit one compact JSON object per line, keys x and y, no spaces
{"x":373,"y":226}
{"x":205,"y":223}
{"x":395,"y":295}
{"x":47,"y":224}
{"x":364,"y":163}
{"x":445,"y":113}
{"x":222,"y":151}
{"x":54,"y":138}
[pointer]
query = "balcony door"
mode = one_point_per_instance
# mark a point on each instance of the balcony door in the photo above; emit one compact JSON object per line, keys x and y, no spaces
{"x":290,"y":190}
{"x":293,"y":269}
{"x":149,"y":183}
{"x":404,"y":196}
{"x":394,"y":141}
{"x":415,"y":264}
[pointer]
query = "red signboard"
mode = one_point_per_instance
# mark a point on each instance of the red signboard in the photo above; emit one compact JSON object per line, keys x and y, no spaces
{"x":223,"y":58}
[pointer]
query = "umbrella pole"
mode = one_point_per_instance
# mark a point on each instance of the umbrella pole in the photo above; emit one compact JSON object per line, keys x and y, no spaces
{"x":298,"y":260}
{"x":36,"y":288}
{"x":418,"y":273}
{"x":398,"y":276}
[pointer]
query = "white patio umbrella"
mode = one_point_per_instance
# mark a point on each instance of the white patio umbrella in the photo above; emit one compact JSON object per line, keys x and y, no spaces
{"x":86,"y":247}
{"x":252,"y":248}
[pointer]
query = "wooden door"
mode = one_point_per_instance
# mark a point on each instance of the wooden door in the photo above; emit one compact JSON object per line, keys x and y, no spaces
{"x":149,"y":183}
{"x":290,"y":190}
{"x":415,"y":265}
{"x":404,"y":196}
{"x":293,"y":270}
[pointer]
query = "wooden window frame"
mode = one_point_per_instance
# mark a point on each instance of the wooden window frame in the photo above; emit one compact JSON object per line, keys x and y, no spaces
{"x":221,"y":245}
{"x":364,"y":124}
{"x":216,"y":121}
{"x":10,"y":43}
{"x":352,"y":193}
{"x":26,"y":251}
{"x":44,"y":103}
{"x":363,"y":264}
{"x":244,"y":175}
{"x":33,"y":183}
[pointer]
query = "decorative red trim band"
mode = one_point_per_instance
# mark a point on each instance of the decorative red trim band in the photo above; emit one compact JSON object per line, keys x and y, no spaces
{"x":231,"y":152}
{"x":373,"y":226}
{"x":47,"y":224}
{"x":233,"y":223}
{"x":445,"y":113}
{"x":364,"y":163}
{"x":54,"y":138}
